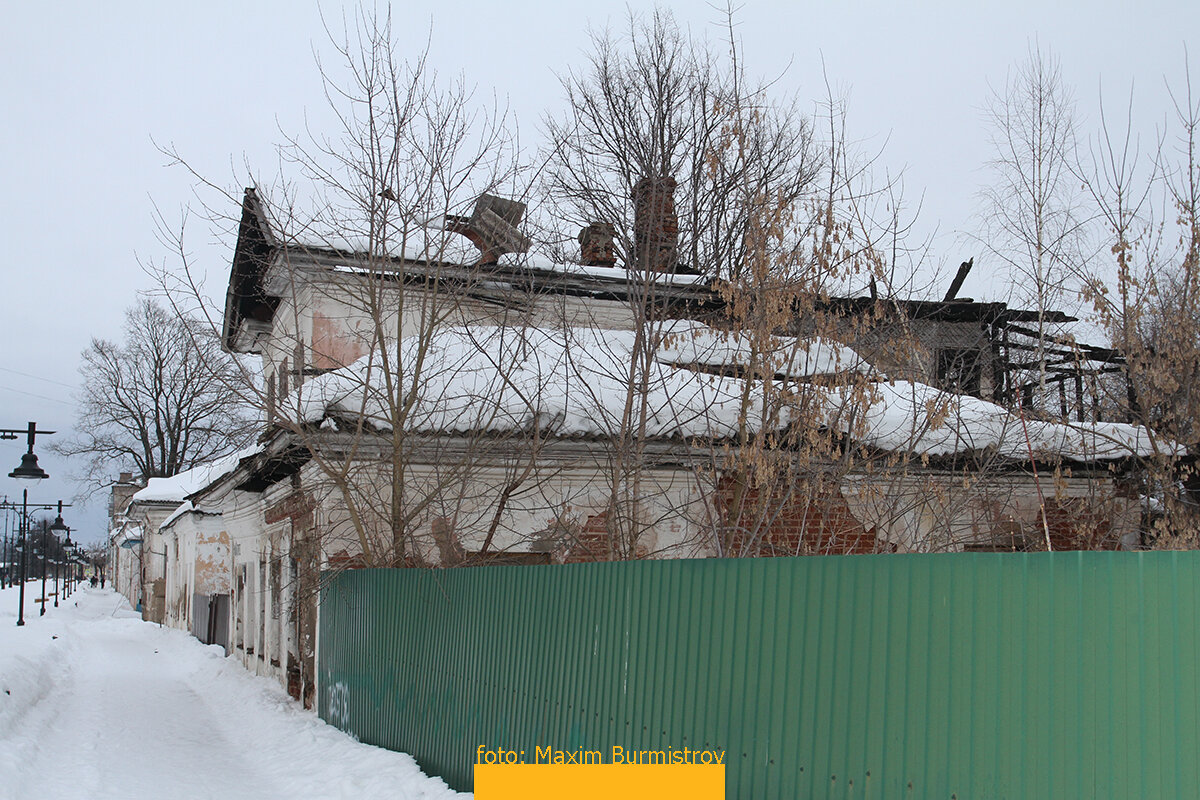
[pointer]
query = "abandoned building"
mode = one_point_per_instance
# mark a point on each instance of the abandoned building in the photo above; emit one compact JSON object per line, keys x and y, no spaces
{"x":451,"y":399}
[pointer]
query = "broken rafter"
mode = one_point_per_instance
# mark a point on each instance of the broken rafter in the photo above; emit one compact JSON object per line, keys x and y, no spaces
{"x":1088,"y":351}
{"x":957,"y":283}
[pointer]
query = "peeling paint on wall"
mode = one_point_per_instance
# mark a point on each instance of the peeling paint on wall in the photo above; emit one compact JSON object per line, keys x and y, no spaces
{"x":212,"y":563}
{"x":332,"y":344}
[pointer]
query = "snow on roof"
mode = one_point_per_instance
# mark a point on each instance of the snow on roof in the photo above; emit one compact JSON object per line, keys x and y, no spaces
{"x":575,"y":380}
{"x":127,"y":535}
{"x":186,"y":507}
{"x":176,"y":488}
{"x":538,"y":261}
{"x":692,"y":343}
{"x":915,"y":417}
{"x":332,"y":223}
{"x":411,"y":243}
{"x":451,"y":248}
{"x":183,"y":508}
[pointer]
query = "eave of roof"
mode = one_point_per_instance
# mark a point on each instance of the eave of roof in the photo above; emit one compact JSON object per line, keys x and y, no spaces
{"x":245,"y":297}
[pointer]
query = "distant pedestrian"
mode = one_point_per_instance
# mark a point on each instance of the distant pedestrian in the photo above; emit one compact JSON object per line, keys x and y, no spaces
{"x":93,"y":581}
{"x":101,"y":580}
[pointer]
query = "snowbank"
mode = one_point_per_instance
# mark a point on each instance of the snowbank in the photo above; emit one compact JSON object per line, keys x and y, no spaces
{"x":31,"y":662}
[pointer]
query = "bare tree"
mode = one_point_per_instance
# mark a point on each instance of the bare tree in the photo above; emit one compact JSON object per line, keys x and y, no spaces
{"x":656,"y":103}
{"x":365,"y":280}
{"x":654,"y":147}
{"x":156,"y":404}
{"x":1033,"y":217}
{"x":696,"y":169}
{"x":385,"y":239}
{"x":1149,"y":300}
{"x":399,"y":362}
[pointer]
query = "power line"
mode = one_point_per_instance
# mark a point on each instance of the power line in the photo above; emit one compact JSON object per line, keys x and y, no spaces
{"x":39,"y":396}
{"x":36,"y":377}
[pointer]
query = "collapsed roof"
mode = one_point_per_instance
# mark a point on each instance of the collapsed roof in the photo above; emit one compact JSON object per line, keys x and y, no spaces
{"x":443,"y":246}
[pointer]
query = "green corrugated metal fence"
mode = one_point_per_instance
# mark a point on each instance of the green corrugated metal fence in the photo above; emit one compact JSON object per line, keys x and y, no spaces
{"x":1042,"y":675}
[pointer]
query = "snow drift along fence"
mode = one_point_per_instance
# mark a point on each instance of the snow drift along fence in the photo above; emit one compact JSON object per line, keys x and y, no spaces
{"x":969,"y":675}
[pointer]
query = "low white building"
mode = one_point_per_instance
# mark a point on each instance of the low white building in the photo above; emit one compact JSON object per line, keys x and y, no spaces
{"x":124,"y":563}
{"x":199,"y":578}
{"x":515,"y":445}
{"x":138,"y":551}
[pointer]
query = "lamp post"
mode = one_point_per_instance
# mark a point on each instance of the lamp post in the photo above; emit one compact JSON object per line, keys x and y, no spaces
{"x":44,"y":547}
{"x":57,"y":526}
{"x":6,"y":578}
{"x":68,"y":549}
{"x":27,"y":471}
{"x":73,"y":581}
{"x":68,"y":566}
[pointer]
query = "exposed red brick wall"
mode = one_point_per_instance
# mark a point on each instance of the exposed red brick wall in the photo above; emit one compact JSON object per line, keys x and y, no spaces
{"x":799,"y":526}
{"x":655,"y":224}
{"x":1076,"y":523}
{"x":343,"y":560}
{"x":333,"y":345}
{"x":823,"y":525}
{"x":596,"y":245}
{"x":297,"y":506}
{"x":591,"y":541}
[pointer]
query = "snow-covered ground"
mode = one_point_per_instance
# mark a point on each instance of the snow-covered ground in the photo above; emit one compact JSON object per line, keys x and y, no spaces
{"x":96,"y":703}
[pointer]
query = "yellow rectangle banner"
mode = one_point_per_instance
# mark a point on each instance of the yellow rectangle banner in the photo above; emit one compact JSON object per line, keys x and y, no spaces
{"x":585,"y":781}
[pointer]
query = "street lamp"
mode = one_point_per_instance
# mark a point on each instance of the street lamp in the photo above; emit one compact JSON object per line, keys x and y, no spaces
{"x":64,"y":562}
{"x":67,"y":561}
{"x":7,"y":558}
{"x":58,"y":526}
{"x":76,"y":560}
{"x":27,"y":471}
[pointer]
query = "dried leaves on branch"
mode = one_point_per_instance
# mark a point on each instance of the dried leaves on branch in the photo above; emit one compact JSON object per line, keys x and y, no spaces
{"x":1146,"y":288}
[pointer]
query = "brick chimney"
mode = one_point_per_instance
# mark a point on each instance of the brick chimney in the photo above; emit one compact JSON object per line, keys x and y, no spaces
{"x":596,"y":245}
{"x":655,"y":225}
{"x":121,"y":493}
{"x":492,"y":227}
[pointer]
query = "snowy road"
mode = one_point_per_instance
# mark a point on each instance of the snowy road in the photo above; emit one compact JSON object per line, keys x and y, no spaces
{"x":98,"y":704}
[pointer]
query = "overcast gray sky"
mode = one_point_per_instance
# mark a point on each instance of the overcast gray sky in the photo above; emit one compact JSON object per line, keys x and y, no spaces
{"x":86,"y":87}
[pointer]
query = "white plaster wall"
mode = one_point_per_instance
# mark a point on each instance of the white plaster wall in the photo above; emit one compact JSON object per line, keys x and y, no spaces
{"x":200,"y":563}
{"x":335,"y":316}
{"x":936,"y":512}
{"x":671,"y":507}
{"x":124,"y":572}
{"x":241,"y":523}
